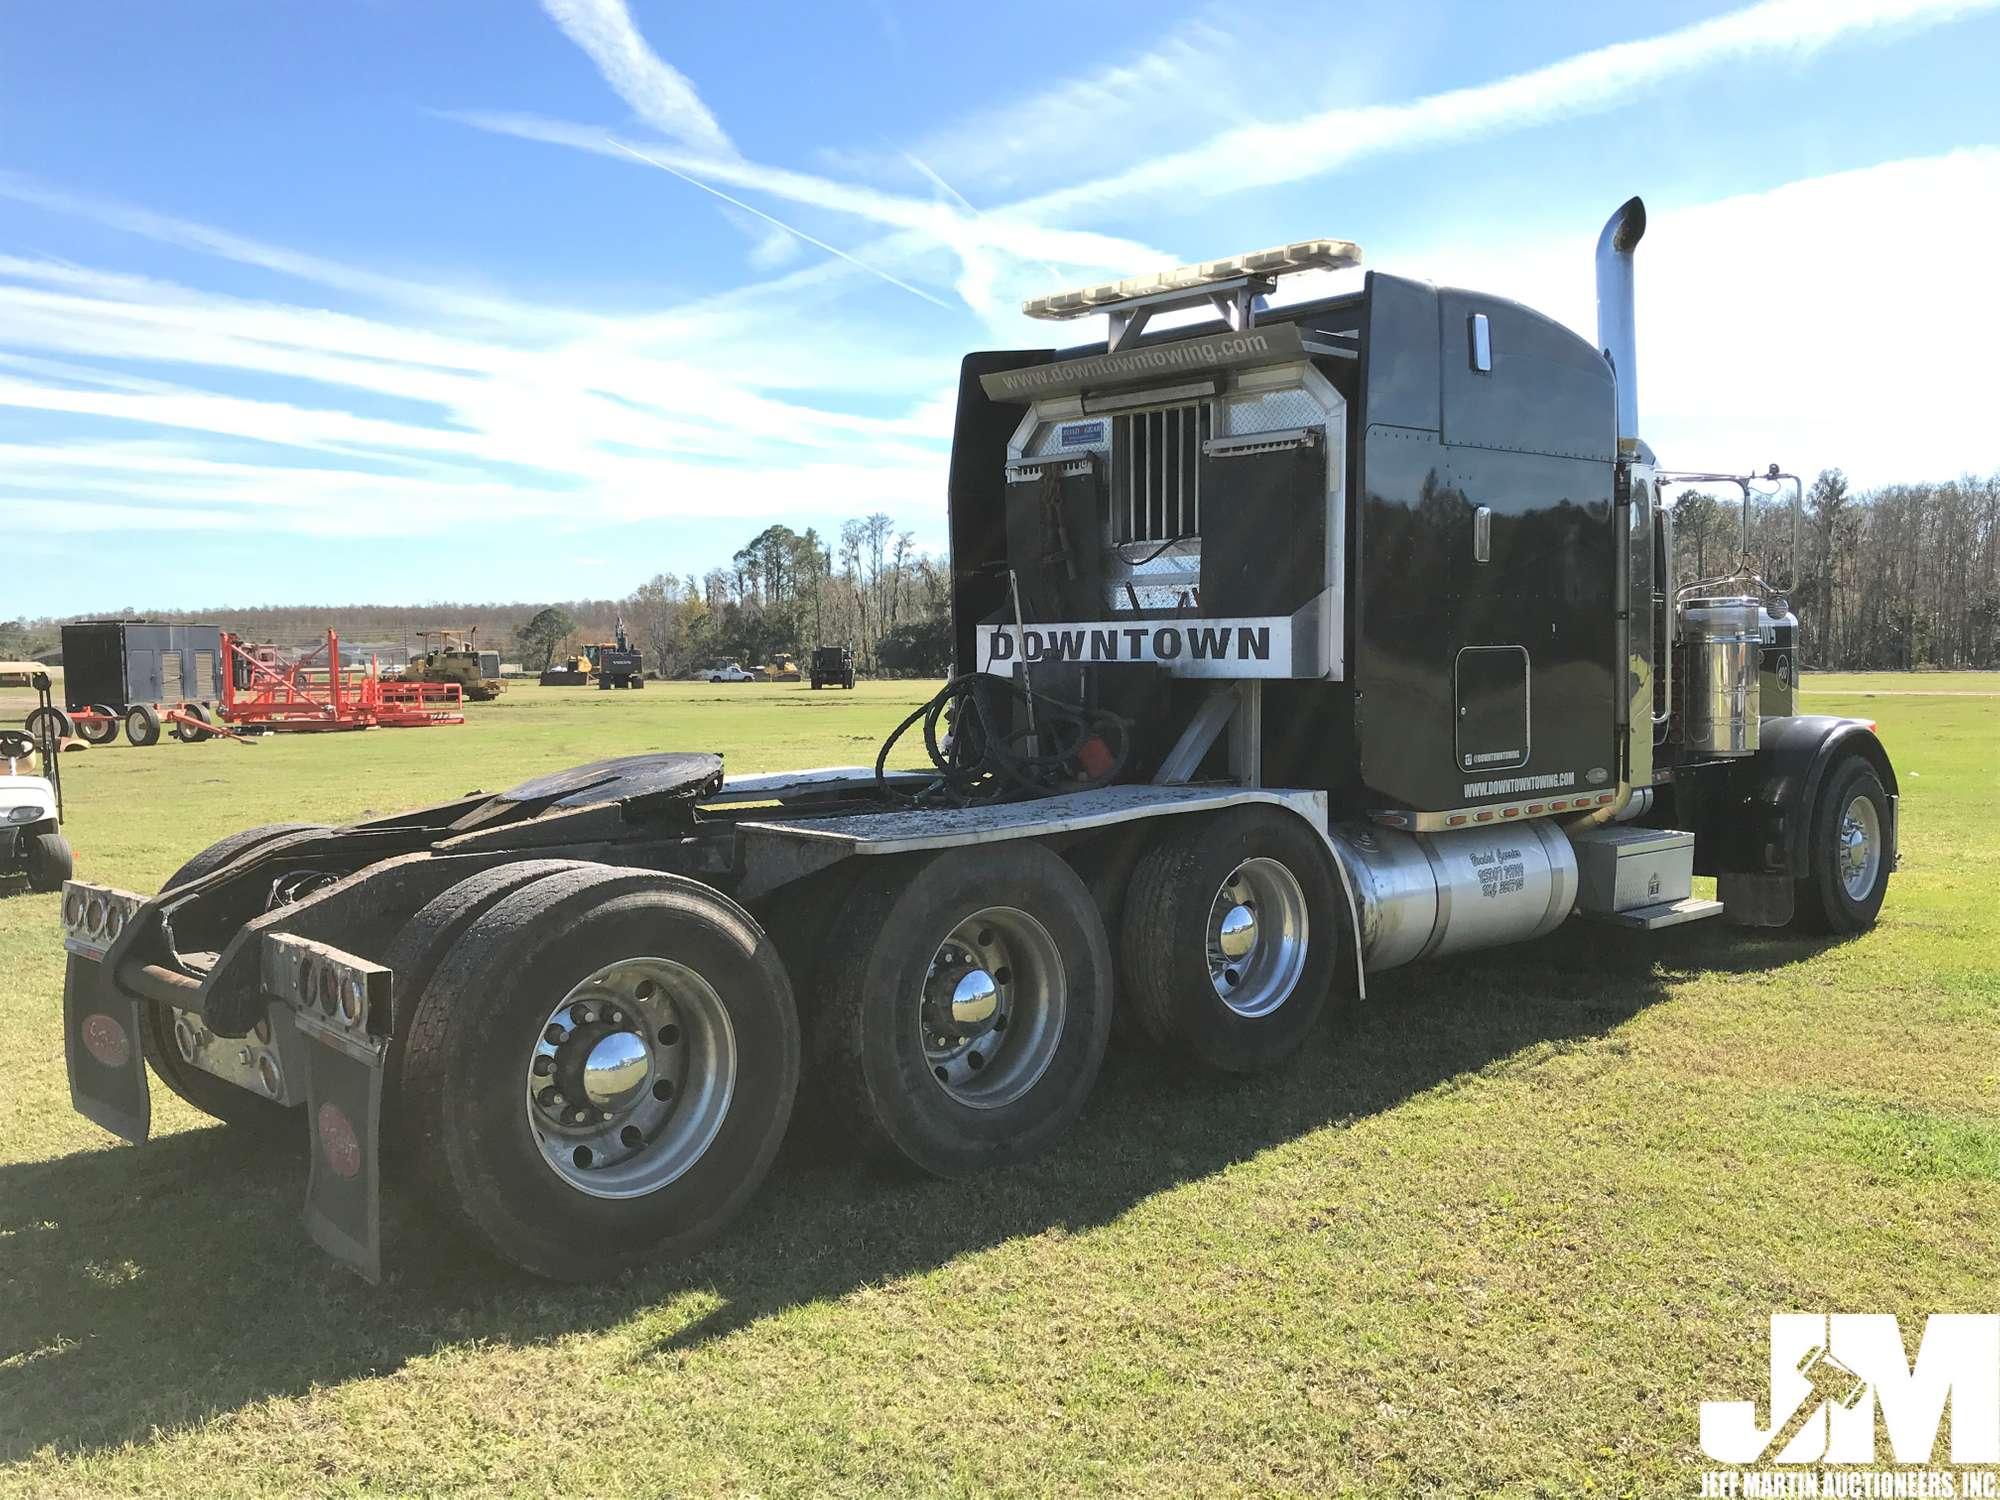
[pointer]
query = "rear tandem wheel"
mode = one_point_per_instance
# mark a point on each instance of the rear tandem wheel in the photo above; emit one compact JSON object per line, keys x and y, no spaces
{"x":601,"y":1070}
{"x":1230,"y":932}
{"x":965,"y":1027}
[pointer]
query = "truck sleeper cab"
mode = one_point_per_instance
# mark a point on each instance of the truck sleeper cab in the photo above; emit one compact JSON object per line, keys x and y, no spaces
{"x":1302,"y":643}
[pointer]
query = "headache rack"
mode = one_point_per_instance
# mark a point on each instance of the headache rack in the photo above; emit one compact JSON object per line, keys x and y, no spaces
{"x":1156,"y":473}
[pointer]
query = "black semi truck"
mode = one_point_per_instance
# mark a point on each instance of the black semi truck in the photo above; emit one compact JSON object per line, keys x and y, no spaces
{"x":1303,"y":642}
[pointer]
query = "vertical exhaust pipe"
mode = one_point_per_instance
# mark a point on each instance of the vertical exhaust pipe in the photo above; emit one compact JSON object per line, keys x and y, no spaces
{"x":1616,"y":338}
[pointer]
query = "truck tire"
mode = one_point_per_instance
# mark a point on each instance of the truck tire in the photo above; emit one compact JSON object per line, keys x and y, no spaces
{"x":207,"y":1093}
{"x":49,"y":726}
{"x":101,"y":728}
{"x":1847,"y":853}
{"x":222,"y":851}
{"x":142,"y":725}
{"x":421,"y":945}
{"x":663,"y":1023}
{"x":48,"y":861}
{"x":965,"y":1026}
{"x":1230,"y":934}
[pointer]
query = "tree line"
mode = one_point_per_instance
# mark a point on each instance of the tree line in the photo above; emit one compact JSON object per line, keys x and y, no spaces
{"x":1902,"y":577}
{"x":1905,"y":576}
{"x":868,"y":587}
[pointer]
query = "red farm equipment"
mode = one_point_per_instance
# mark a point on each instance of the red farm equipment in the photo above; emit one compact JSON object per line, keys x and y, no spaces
{"x":262,"y":690}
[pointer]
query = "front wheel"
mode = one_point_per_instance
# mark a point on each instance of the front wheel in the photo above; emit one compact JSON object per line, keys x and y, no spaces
{"x":966,"y":1025}
{"x":1847,"y":853}
{"x":601,"y":1071}
{"x":142,"y":725}
{"x":1230,"y":931}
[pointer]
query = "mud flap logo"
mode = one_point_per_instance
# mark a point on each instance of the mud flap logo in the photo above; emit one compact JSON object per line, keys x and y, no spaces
{"x":105,"y":1040}
{"x":338,"y":1142}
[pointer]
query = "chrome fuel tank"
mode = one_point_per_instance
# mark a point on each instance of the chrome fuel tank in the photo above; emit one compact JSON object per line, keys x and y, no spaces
{"x":1719,"y":714}
{"x":1421,"y":895}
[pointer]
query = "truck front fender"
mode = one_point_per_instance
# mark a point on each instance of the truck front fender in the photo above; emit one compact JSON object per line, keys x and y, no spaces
{"x":1792,"y":762}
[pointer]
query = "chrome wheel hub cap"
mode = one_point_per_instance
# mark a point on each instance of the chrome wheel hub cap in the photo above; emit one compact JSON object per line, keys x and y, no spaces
{"x":1236,"y":935}
{"x":994,"y":1000}
{"x":616,"y":1069}
{"x":1860,"y":841}
{"x":1257,"y":934}
{"x":631,"y":1077}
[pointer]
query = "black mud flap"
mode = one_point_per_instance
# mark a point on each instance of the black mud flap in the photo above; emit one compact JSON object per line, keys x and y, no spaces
{"x":107,"y":1067}
{"x":339,"y":1001}
{"x":107,"y":1071}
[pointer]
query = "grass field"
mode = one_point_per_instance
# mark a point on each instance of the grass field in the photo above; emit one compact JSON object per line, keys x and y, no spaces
{"x":1500,"y":1235}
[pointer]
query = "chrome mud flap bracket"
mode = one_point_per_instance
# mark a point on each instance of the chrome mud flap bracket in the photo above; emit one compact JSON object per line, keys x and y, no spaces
{"x":107,"y":1066}
{"x":342,"y":1007}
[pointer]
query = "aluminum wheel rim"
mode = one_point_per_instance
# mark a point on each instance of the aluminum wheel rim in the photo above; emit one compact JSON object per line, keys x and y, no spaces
{"x":1257,"y":933}
{"x":1860,"y":847}
{"x":666,"y":1055}
{"x":989,"y":1058}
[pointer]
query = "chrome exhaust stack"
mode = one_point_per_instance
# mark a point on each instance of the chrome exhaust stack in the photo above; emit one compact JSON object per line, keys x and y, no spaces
{"x":1616,"y":338}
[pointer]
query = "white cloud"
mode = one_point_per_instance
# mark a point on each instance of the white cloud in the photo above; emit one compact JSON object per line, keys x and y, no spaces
{"x":432,"y":297}
{"x":391,"y":425}
{"x":1265,"y":155}
{"x":1009,"y":231}
{"x":1192,"y":78}
{"x":1833,"y":321}
{"x":784,"y":228}
{"x":659,"y":93}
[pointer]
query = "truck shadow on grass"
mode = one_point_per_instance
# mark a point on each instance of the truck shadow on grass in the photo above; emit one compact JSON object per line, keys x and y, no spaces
{"x":155,"y":1287}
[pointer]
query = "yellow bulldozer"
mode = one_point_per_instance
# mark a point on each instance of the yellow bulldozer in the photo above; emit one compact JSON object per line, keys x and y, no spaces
{"x":782,"y":667}
{"x":451,"y":656}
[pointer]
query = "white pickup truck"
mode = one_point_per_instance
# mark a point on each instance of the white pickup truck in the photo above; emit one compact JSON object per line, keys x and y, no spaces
{"x":31,"y":840}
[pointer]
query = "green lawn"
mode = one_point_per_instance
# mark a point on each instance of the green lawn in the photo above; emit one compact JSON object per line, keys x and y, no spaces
{"x":1501,"y":1235}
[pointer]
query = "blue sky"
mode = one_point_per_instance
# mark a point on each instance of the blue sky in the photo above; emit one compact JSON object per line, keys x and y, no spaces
{"x":377,"y":300}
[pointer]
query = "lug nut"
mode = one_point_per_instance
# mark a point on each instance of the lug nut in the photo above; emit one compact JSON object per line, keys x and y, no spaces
{"x":582,"y":1014}
{"x":544,"y":1066}
{"x":555,"y":1036}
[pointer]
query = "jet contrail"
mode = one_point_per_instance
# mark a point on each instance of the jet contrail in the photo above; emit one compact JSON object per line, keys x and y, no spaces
{"x":752,"y":208}
{"x":925,"y":167}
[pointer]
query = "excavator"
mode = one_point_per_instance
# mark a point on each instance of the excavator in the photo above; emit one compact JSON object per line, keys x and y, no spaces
{"x":615,"y":663}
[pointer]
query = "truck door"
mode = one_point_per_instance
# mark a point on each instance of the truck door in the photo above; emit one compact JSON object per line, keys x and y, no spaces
{"x":1528,"y":429}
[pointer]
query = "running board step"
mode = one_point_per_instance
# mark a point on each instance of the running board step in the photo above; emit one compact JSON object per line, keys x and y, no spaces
{"x":1666,"y":914}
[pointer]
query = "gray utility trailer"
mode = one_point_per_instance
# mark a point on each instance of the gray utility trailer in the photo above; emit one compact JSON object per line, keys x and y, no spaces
{"x":137,"y":673}
{"x":1304,"y":643}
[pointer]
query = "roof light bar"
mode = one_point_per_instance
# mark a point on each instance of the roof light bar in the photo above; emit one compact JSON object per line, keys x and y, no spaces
{"x":1279,"y":260}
